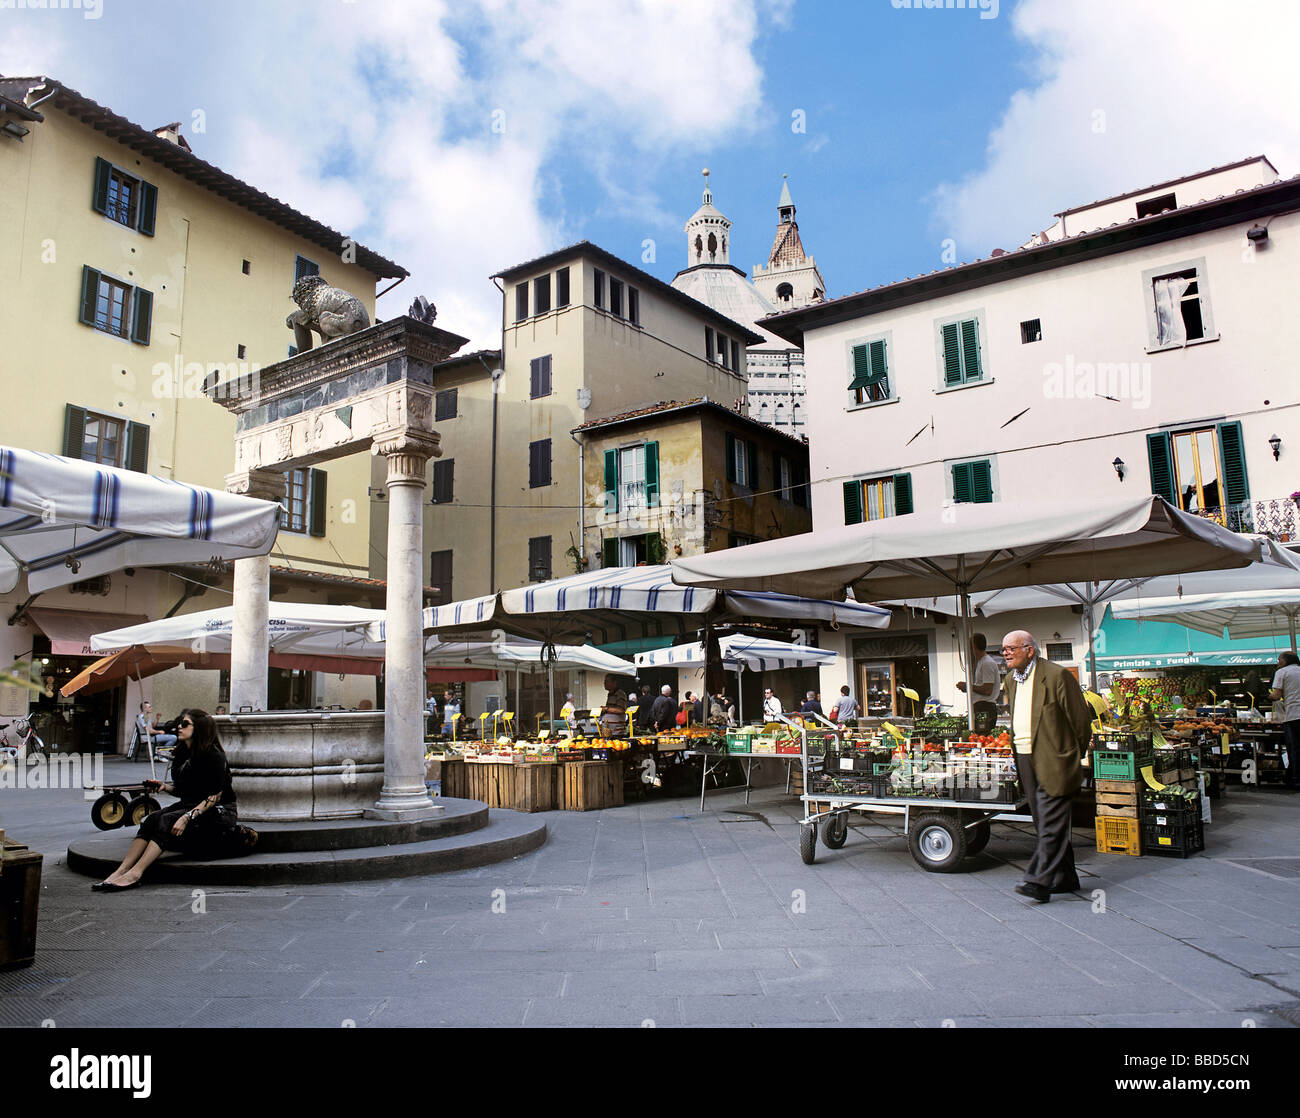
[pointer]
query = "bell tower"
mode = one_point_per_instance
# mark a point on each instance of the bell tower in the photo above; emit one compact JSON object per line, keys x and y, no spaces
{"x":708,"y":233}
{"x":790,"y":278}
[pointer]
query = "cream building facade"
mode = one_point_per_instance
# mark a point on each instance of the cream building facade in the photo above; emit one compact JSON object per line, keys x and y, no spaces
{"x":139,"y":272}
{"x":585,"y":335}
{"x":1142,"y":344}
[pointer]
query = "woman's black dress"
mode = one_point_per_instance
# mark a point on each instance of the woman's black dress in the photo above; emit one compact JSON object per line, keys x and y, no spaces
{"x":195,"y":777}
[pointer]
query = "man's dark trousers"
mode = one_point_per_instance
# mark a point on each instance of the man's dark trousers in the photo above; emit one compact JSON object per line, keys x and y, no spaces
{"x":1052,"y":865}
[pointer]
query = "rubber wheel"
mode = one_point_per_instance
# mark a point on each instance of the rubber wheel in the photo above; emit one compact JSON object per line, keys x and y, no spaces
{"x":808,"y":843}
{"x":977,"y":838}
{"x":138,"y":808}
{"x":109,"y":811}
{"x":836,"y":830}
{"x":938,"y":843}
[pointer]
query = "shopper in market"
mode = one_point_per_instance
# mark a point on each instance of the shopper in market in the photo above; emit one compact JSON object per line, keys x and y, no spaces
{"x":771,"y":706}
{"x":568,"y":711}
{"x":664,"y":711}
{"x":845,"y":708}
{"x":984,"y":684}
{"x":1050,"y":728}
{"x":450,"y":710}
{"x":811,"y":704}
{"x":1286,"y":690}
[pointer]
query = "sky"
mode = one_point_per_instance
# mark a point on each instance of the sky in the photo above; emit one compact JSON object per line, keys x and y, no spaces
{"x":460,"y":137}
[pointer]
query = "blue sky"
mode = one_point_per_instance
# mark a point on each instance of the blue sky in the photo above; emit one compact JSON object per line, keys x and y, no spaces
{"x":459,"y":138}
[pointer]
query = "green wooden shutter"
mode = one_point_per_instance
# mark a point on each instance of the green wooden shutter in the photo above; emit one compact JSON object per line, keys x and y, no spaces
{"x":877,"y":354}
{"x":962,"y":484}
{"x":99,"y":199}
{"x":731,"y":457}
{"x":609,"y":548}
{"x":316,"y":517}
{"x":89,"y":295}
{"x":1236,"y":488}
{"x":1162,"y":467}
{"x":751,"y":464}
{"x":981,"y":482}
{"x":652,"y":475}
{"x":148,"y":207}
{"x":970,"y":349}
{"x":861,"y":368}
{"x":137,"y":447}
{"x":611,"y":481}
{"x":853,"y":502}
{"x":951,"y":355}
{"x":654,"y":549}
{"x":902,"y":494}
{"x":141,"y":314}
{"x":74,"y":431}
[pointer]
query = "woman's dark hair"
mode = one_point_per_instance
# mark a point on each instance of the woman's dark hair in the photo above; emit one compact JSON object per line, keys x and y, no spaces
{"x":204,"y":737}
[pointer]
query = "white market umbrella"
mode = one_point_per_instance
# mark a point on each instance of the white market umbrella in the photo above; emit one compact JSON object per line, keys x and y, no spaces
{"x":1245,"y":615}
{"x":1275,"y":573}
{"x":63,"y":520}
{"x":620,"y":603}
{"x":966,"y":548}
{"x":739,"y":653}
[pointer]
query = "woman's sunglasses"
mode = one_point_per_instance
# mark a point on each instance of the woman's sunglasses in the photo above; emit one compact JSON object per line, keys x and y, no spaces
{"x":185,"y":722}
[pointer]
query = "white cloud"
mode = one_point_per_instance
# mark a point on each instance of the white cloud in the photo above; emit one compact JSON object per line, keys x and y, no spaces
{"x":1127,"y":94}
{"x":378,"y":120}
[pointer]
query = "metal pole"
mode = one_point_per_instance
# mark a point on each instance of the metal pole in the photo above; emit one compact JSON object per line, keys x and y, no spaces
{"x":740,"y":692}
{"x":963,"y":610}
{"x":1092,"y":651}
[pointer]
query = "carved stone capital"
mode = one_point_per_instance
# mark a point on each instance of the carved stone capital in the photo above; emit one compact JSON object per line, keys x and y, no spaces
{"x":267,"y":485}
{"x":408,"y":453}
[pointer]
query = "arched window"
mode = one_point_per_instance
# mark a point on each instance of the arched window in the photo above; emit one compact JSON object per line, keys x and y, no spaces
{"x":699,"y":246}
{"x":713,"y":246}
{"x":785,"y":292}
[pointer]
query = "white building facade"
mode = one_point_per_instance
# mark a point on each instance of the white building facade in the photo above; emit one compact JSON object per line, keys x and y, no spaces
{"x":1144,"y":343}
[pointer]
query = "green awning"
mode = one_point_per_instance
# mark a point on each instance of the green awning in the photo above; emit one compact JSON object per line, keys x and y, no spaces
{"x":628,"y":649}
{"x":1147,"y":645}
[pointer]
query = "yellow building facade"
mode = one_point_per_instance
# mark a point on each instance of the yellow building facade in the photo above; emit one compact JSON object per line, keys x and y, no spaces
{"x":134,"y":272}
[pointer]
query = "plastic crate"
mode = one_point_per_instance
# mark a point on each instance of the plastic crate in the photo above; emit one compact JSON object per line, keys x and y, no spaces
{"x":1170,"y":810}
{"x":1173,"y":840}
{"x":1111,"y":764}
{"x":1138,"y":741}
{"x":1117,"y":835}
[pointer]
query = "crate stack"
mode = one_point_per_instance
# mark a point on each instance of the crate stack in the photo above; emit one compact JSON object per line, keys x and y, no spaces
{"x":1134,"y":818}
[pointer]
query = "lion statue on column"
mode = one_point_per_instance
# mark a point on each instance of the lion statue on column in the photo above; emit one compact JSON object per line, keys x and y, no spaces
{"x":329,"y":311}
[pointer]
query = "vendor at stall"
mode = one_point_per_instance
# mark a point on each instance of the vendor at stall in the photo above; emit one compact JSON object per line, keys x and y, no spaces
{"x":613,"y":717}
{"x":985,"y":684}
{"x":771,"y":706}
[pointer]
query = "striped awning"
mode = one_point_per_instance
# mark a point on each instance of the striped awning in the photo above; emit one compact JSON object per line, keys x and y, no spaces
{"x":62,"y":521}
{"x":755,"y":653}
{"x":625,"y":603}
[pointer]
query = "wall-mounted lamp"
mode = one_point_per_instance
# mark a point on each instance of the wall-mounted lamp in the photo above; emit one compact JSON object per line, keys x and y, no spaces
{"x":1276,"y":444}
{"x":1257,"y":234}
{"x":1119,"y":467}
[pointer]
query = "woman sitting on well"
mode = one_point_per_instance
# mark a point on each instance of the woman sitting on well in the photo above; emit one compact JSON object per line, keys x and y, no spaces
{"x":201,"y":780}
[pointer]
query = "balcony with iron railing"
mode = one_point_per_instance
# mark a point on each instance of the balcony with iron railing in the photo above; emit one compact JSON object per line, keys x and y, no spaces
{"x":1275,"y":517}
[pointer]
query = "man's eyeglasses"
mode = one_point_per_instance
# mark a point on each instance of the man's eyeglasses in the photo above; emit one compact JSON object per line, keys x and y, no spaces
{"x":1013,"y":647}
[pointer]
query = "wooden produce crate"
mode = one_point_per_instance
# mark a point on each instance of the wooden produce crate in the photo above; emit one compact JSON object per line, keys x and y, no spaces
{"x":1119,"y":798}
{"x":1118,"y":835}
{"x":589,"y":786}
{"x":455,"y":781}
{"x":493,"y":784}
{"x":535,"y":787}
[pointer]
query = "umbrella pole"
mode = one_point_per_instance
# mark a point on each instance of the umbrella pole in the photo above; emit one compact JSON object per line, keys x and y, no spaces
{"x":148,"y":738}
{"x":963,"y":651}
{"x":1290,"y":624}
{"x":1092,"y":651}
{"x":740,"y":692}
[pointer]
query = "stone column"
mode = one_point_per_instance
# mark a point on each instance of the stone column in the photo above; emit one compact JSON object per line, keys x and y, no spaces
{"x":252,"y":599}
{"x":404,"y":795}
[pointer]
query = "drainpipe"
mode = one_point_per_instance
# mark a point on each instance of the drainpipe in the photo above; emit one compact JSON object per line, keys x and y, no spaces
{"x":496,"y":395}
{"x":582,"y":495}
{"x":33,"y":106}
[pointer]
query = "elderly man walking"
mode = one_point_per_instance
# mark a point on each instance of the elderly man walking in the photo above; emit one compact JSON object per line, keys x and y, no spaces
{"x":1050,"y":729}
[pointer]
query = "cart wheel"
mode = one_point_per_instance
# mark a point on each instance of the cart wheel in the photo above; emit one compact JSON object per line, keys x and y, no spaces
{"x":836,"y":829}
{"x":808,"y":843}
{"x":938,"y":843}
{"x":109,"y":811}
{"x":138,"y":808}
{"x":978,"y":837}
